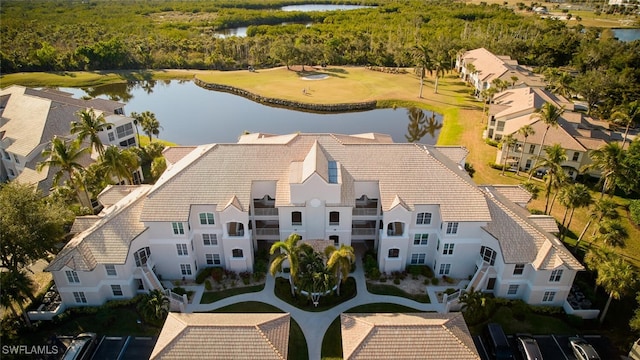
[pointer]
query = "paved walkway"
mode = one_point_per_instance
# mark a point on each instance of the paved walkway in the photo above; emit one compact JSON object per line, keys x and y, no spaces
{"x":315,"y":324}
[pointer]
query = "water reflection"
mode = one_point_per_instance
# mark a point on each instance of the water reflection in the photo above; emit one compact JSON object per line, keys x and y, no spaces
{"x":420,"y":125}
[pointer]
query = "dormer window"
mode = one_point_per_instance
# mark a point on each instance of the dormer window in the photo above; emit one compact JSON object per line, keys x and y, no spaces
{"x":333,"y":172}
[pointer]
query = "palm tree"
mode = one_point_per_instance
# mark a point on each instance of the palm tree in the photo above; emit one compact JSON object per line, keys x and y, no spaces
{"x":137,"y":121}
{"x":627,"y":115}
{"x":604,"y":208}
{"x":549,"y":114}
{"x":572,"y":197}
{"x":422,"y":56}
{"x":119,"y":163}
{"x":612,"y":233}
{"x":416,"y":128}
{"x":617,"y":277}
{"x":552,"y":163}
{"x":339,"y":262}
{"x":525,"y":131}
{"x":439,"y":69}
{"x":64,"y":155}
{"x":608,"y":160}
{"x":150,"y":125}
{"x":470,"y":70}
{"x":476,"y":306}
{"x":507,"y":142}
{"x":288,"y":251}
{"x":17,"y":287}
{"x":89,"y":126}
{"x":155,"y":306}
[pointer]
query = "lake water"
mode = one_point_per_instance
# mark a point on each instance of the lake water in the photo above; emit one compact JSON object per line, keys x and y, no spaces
{"x":627,"y":35}
{"x":322,"y":7}
{"x":191,"y":115}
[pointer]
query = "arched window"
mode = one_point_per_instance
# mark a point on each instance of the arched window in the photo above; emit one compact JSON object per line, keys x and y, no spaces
{"x":488,"y":254}
{"x":394,"y":253}
{"x":334,"y":218}
{"x":237,"y":253}
{"x":296,"y":218}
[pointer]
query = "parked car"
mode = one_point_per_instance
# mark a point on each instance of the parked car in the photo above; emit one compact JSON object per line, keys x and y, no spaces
{"x":529,"y":348}
{"x":582,"y":349}
{"x":496,"y":342}
{"x":82,"y":347}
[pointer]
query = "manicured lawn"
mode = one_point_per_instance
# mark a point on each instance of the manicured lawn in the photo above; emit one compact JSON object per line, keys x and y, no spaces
{"x":332,"y":341}
{"x":90,"y":79}
{"x":297,"y":344}
{"x":212,"y":296}
{"x":381,"y":289}
{"x":283,"y":292}
{"x":531,"y":324}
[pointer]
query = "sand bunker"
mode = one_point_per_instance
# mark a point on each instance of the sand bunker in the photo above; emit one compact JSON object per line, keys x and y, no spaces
{"x":315,"y":77}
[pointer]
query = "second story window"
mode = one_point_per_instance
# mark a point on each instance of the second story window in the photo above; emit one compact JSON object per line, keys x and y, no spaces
{"x":237,"y":253}
{"x":423,"y":218}
{"x":334,"y":218}
{"x":182,"y":249}
{"x":72,"y":277}
{"x":452,"y":228}
{"x":518,"y":269}
{"x":556,"y":275}
{"x":206,"y":219}
{"x":576,"y":156}
{"x":447,"y":249}
{"x":209,"y":239}
{"x":394,"y":253}
{"x":111,"y":270}
{"x":124,"y":130}
{"x":296,"y":218}
{"x":421,"y":239}
{"x":178,"y":228}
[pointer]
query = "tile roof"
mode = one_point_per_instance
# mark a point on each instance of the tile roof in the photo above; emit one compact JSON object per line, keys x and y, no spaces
{"x":555,"y":135}
{"x":418,"y":174}
{"x":513,"y":102}
{"x":223,"y":336}
{"x":114,"y":193}
{"x":521,"y":239}
{"x":107,"y":240}
{"x":406,"y":336}
{"x":515,"y":193}
{"x":173,"y":154}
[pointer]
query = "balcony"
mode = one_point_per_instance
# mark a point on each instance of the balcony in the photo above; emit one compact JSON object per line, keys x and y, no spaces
{"x":265,"y":206}
{"x":365,"y":211}
{"x":363,"y":231}
{"x":365,"y":207}
{"x":265,"y":211}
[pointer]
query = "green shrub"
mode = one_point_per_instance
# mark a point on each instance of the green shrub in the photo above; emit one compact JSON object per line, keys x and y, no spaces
{"x":634,"y":210}
{"x":414,"y":270}
{"x":374,"y":274}
{"x":426,"y":271}
{"x":396,"y":281}
{"x":435,"y":281}
{"x":179,"y":290}
{"x":258,"y":276}
{"x":217,"y":274}
{"x":203,"y":274}
{"x":426,"y":282}
{"x":207,"y":285}
{"x":495,"y":166}
{"x":246,"y":277}
{"x":491,"y":142}
{"x":383,"y":278}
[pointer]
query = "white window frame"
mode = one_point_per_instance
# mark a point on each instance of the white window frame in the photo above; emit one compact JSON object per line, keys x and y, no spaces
{"x":447,"y":249}
{"x":393,"y":257}
{"x":72,"y":277}
{"x":111,"y":270}
{"x":418,"y":259}
{"x":237,"y":257}
{"x":421,"y":239}
{"x":182,"y":249}
{"x":185,"y":269}
{"x":518,"y":269}
{"x":513,"y":289}
{"x":488,"y":253}
{"x":116,"y":290}
{"x":80,"y":297}
{"x":212,"y":259}
{"x":212,"y":239}
{"x":548,"y":296}
{"x":452,"y":228}
{"x":423,"y":218}
{"x":445,"y":269}
{"x":205,"y":219}
{"x":178,"y":228}
{"x":556,"y":275}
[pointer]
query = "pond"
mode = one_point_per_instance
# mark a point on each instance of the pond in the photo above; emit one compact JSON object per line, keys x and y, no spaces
{"x":627,"y":35}
{"x":191,"y":115}
{"x":322,"y":7}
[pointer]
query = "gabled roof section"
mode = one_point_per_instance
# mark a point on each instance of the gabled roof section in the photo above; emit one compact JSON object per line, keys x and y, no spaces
{"x":114,"y":193}
{"x":397,"y":201}
{"x":514,"y":193}
{"x":315,"y":162}
{"x":235,"y":202}
{"x":457,"y":154}
{"x":107,"y":240}
{"x":555,"y":135}
{"x":173,"y":154}
{"x":521,"y":239}
{"x":406,"y":336}
{"x":24,"y":120}
{"x":223,"y":336}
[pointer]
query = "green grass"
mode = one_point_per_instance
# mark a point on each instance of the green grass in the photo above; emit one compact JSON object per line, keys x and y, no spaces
{"x":89,"y":79}
{"x":381,"y":289}
{"x":297,"y":343}
{"x":531,"y":323}
{"x":283,"y":292}
{"x":143,"y":140}
{"x":212,"y":296}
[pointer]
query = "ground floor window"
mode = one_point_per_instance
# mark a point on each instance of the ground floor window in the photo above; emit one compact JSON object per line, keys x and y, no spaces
{"x":445,"y":269}
{"x":80,"y":298}
{"x":237,"y":253}
{"x":213,"y":259}
{"x":548,"y":296}
{"x":394,"y":253}
{"x":185,"y":269}
{"x":513,"y":289}
{"x":117,"y":290}
{"x":418,"y":258}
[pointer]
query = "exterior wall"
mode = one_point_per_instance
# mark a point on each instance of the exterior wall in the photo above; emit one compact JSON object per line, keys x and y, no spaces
{"x":126,"y":138}
{"x":401,"y":242}
{"x":466,"y":246}
{"x":162,"y":243}
{"x":233,"y":242}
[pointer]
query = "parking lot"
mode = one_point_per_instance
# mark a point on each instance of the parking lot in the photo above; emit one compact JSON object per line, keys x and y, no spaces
{"x":124,"y":348}
{"x":554,"y":347}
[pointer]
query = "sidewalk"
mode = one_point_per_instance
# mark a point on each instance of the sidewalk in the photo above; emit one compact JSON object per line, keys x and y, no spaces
{"x":315,"y":324}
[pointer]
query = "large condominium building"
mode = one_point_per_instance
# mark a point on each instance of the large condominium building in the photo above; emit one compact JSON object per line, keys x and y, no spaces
{"x":216,"y":204}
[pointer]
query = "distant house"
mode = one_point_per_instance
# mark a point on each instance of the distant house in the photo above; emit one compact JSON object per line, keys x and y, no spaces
{"x":30,"y":118}
{"x":216,"y":204}
{"x":479,"y":67}
{"x":223,"y":336}
{"x":422,"y":336}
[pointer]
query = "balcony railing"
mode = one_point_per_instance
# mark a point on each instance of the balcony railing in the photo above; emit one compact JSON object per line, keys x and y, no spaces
{"x":365,"y":212}
{"x":363,"y":231}
{"x":267,"y":231}
{"x":265,"y":211}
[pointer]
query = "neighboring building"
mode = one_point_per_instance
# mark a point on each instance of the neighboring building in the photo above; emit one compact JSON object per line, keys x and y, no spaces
{"x":487,"y":67}
{"x":223,"y":336}
{"x":30,"y":118}
{"x":406,"y":336}
{"x":215,"y":205}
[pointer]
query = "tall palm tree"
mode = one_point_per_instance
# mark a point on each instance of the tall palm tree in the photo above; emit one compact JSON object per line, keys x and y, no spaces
{"x":154,"y":306}
{"x":572,"y":197}
{"x":553,"y":164}
{"x":507,"y":142}
{"x":604,"y":208}
{"x":627,"y":115}
{"x":608,"y":160}
{"x":549,"y":114}
{"x":65,"y":156}
{"x":288,"y":250}
{"x":150,"y":125}
{"x":137,"y":121}
{"x":612,"y":233}
{"x":17,"y":287}
{"x":89,"y":125}
{"x":525,"y":131}
{"x":339,"y":262}
{"x":439,"y":69}
{"x":422,"y":57}
{"x":617,"y":277}
{"x":119,"y":163}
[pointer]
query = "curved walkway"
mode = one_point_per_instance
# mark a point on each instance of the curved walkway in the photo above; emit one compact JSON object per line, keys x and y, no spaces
{"x":314,"y":324}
